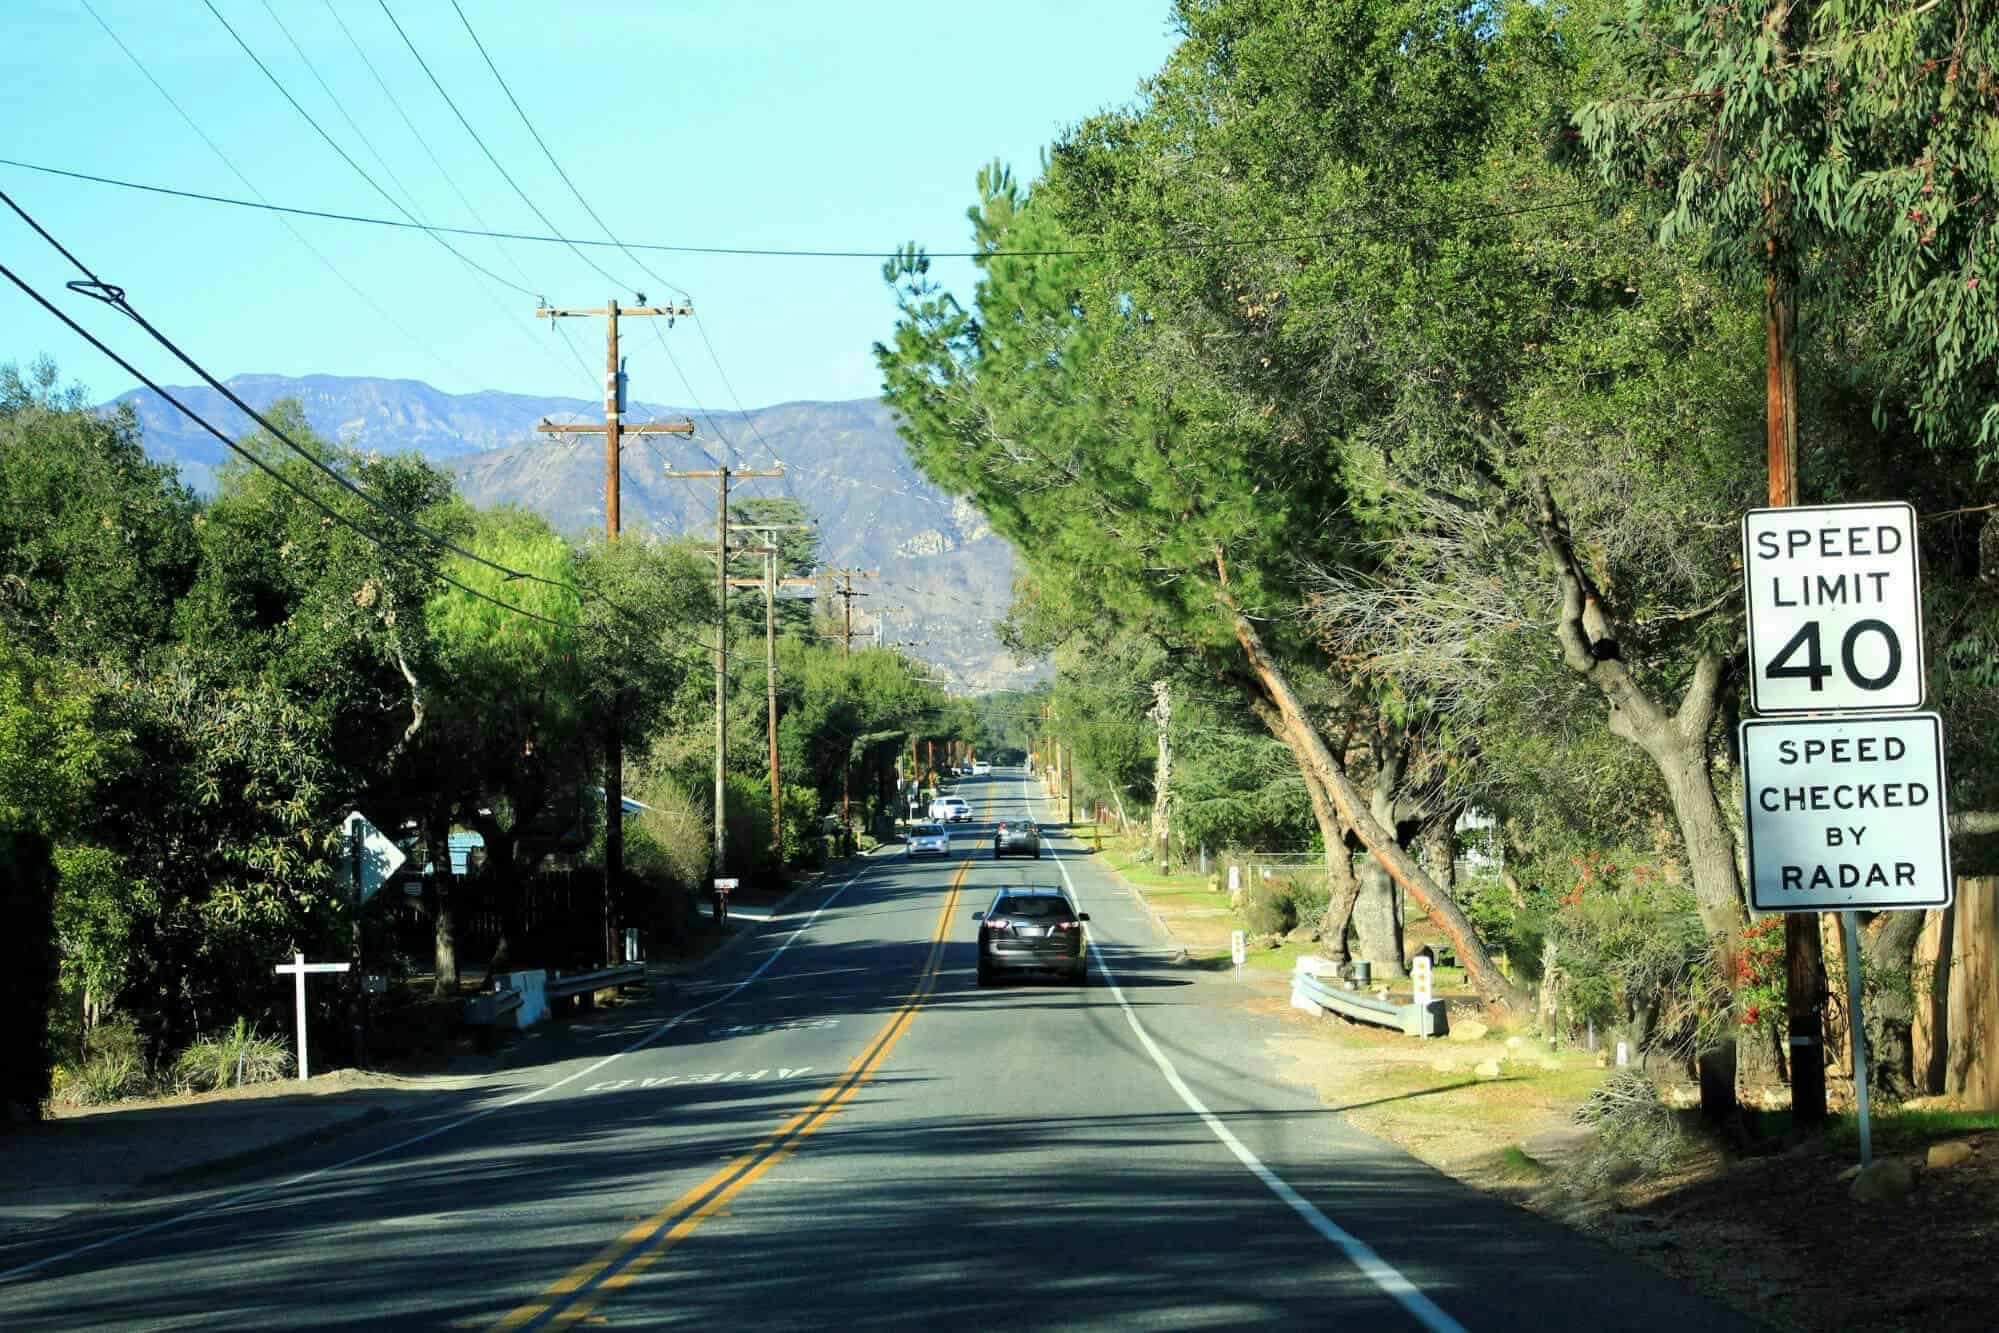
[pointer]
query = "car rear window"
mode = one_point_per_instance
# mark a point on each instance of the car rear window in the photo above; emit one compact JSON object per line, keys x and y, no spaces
{"x":929,"y":830}
{"x":1041,"y":905}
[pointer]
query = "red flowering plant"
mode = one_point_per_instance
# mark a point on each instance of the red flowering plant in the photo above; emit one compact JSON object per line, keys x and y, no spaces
{"x":1757,"y":976}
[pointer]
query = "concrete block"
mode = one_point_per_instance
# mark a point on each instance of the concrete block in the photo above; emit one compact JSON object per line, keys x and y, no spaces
{"x":533,"y":986}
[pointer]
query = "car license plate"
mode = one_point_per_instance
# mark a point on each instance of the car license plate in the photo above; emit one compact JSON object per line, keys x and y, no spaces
{"x":1033,"y":932}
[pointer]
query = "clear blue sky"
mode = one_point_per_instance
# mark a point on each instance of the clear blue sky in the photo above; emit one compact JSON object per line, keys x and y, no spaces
{"x":776,"y":123}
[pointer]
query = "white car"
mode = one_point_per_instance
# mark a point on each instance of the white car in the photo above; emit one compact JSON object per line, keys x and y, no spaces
{"x":982,"y":770}
{"x":950,"y":810}
{"x":928,"y":840}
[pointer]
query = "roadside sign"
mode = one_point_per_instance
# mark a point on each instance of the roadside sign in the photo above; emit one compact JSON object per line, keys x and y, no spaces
{"x":1846,"y":813}
{"x":1419,"y":978}
{"x":1237,"y":950}
{"x":1834,"y":597}
{"x":724,"y":885}
{"x":374,"y":859}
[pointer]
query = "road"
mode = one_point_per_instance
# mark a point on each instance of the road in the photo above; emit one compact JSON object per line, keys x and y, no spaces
{"x":839,"y":1127}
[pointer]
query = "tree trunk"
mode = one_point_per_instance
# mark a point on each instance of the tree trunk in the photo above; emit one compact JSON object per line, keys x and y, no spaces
{"x":1374,"y":923}
{"x":1344,"y":886}
{"x":1889,"y":946}
{"x":443,"y":890}
{"x":503,"y":887}
{"x":1377,"y":920}
{"x":1162,"y":779}
{"x":1492,"y":984}
{"x":1677,"y":744}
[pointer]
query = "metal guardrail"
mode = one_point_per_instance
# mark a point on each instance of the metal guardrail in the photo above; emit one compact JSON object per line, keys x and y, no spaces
{"x":488,"y":1010}
{"x":603,"y":978}
{"x":1412,"y":1020}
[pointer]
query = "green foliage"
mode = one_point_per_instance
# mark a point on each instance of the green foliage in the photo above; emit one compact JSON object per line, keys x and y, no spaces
{"x":1637,"y":1135}
{"x":1630,"y":943}
{"x":230,"y":1059}
{"x":96,"y":543}
{"x":1269,"y":907}
{"x":802,"y":844}
{"x":112,"y":1067}
{"x":1855,"y":137}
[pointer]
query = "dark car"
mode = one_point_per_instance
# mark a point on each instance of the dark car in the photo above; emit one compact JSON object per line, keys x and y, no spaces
{"x":1033,"y":930}
{"x":1017,"y":837}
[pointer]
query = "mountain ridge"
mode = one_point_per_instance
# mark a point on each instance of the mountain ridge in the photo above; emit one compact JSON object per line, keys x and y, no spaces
{"x":939,"y":560}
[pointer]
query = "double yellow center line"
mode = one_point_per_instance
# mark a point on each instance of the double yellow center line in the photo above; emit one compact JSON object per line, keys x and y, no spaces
{"x":621,"y":1262}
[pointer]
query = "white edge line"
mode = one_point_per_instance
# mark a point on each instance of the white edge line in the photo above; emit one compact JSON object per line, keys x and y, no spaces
{"x":1382,"y":1273}
{"x":8,"y":1275}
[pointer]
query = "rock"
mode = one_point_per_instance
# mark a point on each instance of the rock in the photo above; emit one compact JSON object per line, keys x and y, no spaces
{"x":1469,"y":1030}
{"x":1446,"y":1066}
{"x":1847,"y":1176}
{"x":1486,"y":1069}
{"x":1889,"y":1179}
{"x":1953,"y":1152}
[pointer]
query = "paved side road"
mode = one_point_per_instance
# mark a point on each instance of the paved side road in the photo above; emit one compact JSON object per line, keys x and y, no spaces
{"x":841,"y":1127}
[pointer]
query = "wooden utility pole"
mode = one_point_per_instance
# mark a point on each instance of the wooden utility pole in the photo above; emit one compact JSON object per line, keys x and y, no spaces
{"x":770,"y":583}
{"x":847,"y":593}
{"x":1804,"y":961}
{"x":721,"y":476}
{"x":614,"y":430}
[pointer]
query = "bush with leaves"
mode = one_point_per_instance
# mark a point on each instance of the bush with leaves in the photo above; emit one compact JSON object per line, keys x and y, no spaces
{"x":1630,"y":944}
{"x":1269,"y":909}
{"x":1637,"y":1135}
{"x":231,"y":1059}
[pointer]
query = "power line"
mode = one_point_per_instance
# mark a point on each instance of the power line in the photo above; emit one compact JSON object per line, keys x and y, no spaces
{"x":605,"y":227}
{"x":250,"y":457}
{"x":114,"y":297}
{"x":341,"y":107}
{"x":287,"y":223}
{"x":432,"y":232}
{"x":753,"y":252}
{"x":547,"y":153}
{"x":526,"y":198}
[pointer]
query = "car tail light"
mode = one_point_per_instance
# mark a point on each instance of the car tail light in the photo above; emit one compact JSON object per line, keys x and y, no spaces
{"x":997,"y":923}
{"x":1068,"y":925}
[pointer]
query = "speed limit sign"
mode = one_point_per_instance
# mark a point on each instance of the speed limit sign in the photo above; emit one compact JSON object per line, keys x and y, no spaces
{"x":1835,"y":608}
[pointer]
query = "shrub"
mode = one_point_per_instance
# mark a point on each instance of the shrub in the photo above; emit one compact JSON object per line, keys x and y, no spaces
{"x":1637,"y":1134}
{"x":674,"y":840}
{"x":1268,"y":909}
{"x":802,"y":844}
{"x":1310,"y":897}
{"x":113,"y":1066}
{"x":110,"y":1077}
{"x":231,"y":1058}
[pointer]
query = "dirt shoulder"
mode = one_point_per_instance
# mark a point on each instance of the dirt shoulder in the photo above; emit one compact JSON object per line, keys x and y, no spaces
{"x":1773,"y":1233}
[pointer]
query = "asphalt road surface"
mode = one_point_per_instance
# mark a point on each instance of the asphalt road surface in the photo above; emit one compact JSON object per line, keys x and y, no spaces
{"x":838,"y":1127}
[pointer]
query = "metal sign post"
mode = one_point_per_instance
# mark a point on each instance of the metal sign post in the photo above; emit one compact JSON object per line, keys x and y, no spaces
{"x":1849,"y":923}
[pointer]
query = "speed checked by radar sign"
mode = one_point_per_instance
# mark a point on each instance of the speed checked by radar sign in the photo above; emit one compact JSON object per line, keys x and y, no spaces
{"x":1846,"y":814}
{"x":1835,"y":608}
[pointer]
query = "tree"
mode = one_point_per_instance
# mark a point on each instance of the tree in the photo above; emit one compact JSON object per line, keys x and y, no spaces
{"x":1081,"y":425}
